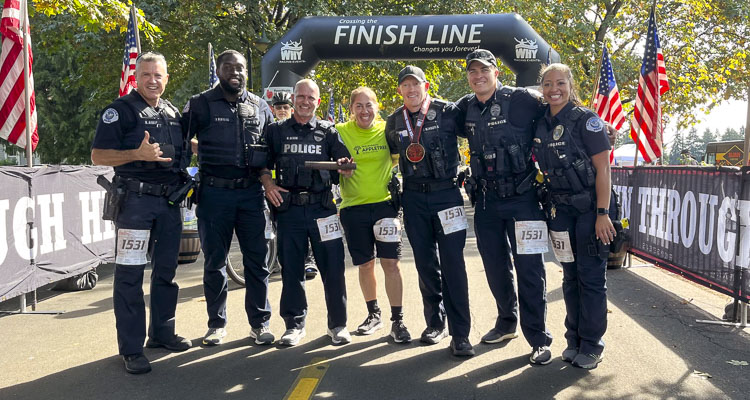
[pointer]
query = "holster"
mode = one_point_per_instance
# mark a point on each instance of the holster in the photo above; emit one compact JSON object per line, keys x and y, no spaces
{"x":581,"y":202}
{"x":182,"y":192}
{"x":196,"y":195}
{"x":113,"y":198}
{"x":470,"y":187}
{"x":598,"y":249}
{"x":620,"y":239}
{"x":527,"y":183}
{"x":327,"y":201}
{"x":394,"y":187}
{"x":286,"y":198}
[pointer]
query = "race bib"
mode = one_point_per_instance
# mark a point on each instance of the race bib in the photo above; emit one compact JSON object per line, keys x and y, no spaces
{"x":531,"y":237}
{"x":387,"y":230}
{"x":329,"y":228}
{"x":132,"y":245}
{"x":561,"y":246}
{"x":268,"y":231}
{"x":453,"y":219}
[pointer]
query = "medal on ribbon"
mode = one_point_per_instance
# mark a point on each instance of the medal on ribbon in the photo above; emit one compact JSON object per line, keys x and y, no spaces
{"x":415,"y":152}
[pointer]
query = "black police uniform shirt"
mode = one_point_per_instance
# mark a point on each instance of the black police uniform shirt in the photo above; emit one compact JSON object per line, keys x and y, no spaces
{"x":589,"y":133}
{"x":485,"y":118}
{"x":198,"y":121}
{"x":290,"y":144}
{"x":438,"y":134}
{"x":116,"y":130}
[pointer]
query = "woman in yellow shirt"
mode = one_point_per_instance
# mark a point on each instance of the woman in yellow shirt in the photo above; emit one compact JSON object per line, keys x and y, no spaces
{"x":369,"y":217}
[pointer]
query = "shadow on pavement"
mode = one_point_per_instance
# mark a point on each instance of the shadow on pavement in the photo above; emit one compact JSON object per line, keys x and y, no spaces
{"x":672,"y":321}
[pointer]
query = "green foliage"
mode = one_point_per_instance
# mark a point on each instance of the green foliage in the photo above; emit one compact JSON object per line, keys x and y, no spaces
{"x":731,"y":134}
{"x":678,"y":144}
{"x":78,"y":48}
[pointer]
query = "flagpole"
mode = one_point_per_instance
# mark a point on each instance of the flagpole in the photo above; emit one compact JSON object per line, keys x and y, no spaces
{"x":746,"y":150}
{"x":134,"y":16}
{"x":26,"y":83}
{"x":598,"y":75}
{"x":661,"y":124}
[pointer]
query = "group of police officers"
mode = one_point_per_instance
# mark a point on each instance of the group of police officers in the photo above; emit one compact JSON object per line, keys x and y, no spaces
{"x":148,"y":142}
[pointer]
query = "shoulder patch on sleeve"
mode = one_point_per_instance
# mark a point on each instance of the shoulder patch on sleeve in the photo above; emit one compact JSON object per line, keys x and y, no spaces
{"x":595,"y":124}
{"x":110,"y":115}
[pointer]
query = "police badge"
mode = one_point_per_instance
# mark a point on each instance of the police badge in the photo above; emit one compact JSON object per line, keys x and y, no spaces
{"x":558,"y":132}
{"x":110,"y":115}
{"x":319,"y":136}
{"x":495,"y":110}
{"x":431,"y":115}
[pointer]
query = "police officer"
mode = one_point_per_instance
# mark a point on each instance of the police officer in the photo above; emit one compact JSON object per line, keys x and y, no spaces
{"x":305,"y":210}
{"x":572,"y":149}
{"x":283,"y":108}
{"x":423,"y":133}
{"x":498,"y":125}
{"x":139,"y":134}
{"x":228,"y":122}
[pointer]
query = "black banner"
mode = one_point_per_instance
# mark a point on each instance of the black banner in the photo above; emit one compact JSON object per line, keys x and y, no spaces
{"x":50,"y":225}
{"x":694,"y":221}
{"x":421,"y":37}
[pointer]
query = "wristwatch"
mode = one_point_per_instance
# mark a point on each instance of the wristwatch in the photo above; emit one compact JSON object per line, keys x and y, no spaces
{"x":602,"y":211}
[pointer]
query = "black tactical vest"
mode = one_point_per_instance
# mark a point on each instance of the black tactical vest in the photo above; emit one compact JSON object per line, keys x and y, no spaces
{"x":298,"y":147}
{"x":499,"y":150}
{"x":233,"y":135}
{"x":566,"y":166}
{"x":441,"y":157}
{"x":164,"y":128}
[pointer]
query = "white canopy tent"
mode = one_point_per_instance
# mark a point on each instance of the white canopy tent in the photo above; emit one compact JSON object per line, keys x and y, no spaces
{"x":624,"y":155}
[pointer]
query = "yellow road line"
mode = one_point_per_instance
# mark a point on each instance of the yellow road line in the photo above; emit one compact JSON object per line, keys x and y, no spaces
{"x":308,"y":380}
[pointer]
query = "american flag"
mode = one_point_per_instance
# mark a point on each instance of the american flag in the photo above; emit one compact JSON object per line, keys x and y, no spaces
{"x":12,"y":101}
{"x":341,"y":113}
{"x":127,"y":77}
{"x":607,"y":101}
{"x":331,"y":115}
{"x":212,"y":78}
{"x":645,"y":126}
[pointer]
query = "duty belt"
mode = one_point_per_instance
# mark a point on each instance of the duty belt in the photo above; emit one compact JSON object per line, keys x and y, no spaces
{"x":503,"y":188}
{"x":303,"y":198}
{"x":152,"y":189}
{"x":571,"y":199}
{"x":223,"y":183}
{"x":430,"y":186}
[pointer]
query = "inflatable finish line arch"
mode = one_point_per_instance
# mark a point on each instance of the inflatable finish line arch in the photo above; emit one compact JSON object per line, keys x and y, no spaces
{"x":314,"y":39}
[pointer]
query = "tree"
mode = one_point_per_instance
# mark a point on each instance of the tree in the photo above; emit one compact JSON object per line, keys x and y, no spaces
{"x":693,"y":142}
{"x":731,"y":134}
{"x":675,"y":148}
{"x":705,"y":43}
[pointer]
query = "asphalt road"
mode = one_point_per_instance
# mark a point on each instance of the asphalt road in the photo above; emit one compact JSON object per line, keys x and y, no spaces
{"x":655,"y":349}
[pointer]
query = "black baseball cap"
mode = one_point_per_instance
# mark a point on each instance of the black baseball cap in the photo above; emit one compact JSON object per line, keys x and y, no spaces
{"x":483,"y":56}
{"x":411,"y":70}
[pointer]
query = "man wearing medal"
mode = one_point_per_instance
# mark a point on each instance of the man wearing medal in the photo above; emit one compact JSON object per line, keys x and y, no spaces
{"x":423,"y":133}
{"x":497,"y":120}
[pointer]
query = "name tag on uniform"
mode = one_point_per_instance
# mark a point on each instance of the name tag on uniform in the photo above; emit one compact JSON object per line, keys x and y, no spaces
{"x":387,"y":230}
{"x":329,"y":228}
{"x":531,"y":237}
{"x":132,"y":246}
{"x":268,"y":231}
{"x":453,"y":219}
{"x":561,"y":246}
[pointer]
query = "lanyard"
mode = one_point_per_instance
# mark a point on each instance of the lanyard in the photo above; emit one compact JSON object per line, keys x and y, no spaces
{"x":420,"y":120}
